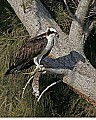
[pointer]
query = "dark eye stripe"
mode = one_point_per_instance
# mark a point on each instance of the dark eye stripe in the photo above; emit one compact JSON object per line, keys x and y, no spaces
{"x":50,"y":32}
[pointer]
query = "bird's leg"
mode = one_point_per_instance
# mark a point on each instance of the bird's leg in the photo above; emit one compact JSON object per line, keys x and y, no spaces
{"x":38,"y":66}
{"x":41,"y":68}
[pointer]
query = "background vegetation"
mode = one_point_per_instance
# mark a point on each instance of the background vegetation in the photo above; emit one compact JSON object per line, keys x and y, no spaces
{"x":60,"y":100}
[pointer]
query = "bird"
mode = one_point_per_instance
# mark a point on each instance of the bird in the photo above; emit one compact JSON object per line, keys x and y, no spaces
{"x":33,"y":51}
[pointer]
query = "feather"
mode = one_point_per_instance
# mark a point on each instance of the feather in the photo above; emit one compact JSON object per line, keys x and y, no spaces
{"x":34,"y":49}
{"x":28,"y":50}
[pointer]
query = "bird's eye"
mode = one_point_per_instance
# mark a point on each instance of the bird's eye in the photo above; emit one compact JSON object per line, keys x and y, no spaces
{"x":48,"y":31}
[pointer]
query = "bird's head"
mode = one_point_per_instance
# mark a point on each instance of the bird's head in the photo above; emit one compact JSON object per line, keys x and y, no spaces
{"x":52,"y":32}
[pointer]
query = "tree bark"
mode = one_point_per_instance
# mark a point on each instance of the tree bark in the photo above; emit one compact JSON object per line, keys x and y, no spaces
{"x":68,"y":51}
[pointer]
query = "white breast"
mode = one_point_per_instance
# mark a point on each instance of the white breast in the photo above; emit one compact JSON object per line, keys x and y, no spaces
{"x":47,"y":48}
{"x":50,"y":41}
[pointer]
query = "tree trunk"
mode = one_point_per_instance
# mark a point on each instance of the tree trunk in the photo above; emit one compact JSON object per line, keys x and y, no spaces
{"x":69,"y":53}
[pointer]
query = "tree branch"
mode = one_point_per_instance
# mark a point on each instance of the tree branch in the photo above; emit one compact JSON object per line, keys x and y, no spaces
{"x":74,"y":17}
{"x":68,"y":52}
{"x":47,"y":89}
{"x":75,"y":40}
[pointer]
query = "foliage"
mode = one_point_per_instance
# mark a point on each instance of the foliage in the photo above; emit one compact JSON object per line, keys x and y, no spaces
{"x":90,"y":47}
{"x":59,"y":13}
{"x":12,"y":34}
{"x":59,"y":101}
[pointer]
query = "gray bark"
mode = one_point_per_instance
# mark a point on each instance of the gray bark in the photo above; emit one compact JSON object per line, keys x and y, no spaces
{"x":68,"y":51}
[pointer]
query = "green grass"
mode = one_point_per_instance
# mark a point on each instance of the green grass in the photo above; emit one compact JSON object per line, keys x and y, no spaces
{"x":59,"y":101}
{"x":12,"y":34}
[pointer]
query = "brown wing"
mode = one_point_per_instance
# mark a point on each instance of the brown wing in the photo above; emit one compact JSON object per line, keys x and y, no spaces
{"x":30,"y":49}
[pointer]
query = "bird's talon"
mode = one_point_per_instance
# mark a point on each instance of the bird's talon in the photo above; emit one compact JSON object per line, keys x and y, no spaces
{"x":27,"y":49}
{"x":40,"y":68}
{"x":44,"y":72}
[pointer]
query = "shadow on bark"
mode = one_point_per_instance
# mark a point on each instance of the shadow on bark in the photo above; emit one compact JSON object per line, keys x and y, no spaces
{"x":58,"y":101}
{"x":65,"y":62}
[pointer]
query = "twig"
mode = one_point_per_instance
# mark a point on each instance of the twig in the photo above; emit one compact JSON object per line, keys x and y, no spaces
{"x":93,"y":2}
{"x":51,"y":70}
{"x":10,"y":107}
{"x":58,"y":71}
{"x":91,"y":26}
{"x":70,"y":13}
{"x":74,"y":17}
{"x":3,"y":102}
{"x":33,"y":73}
{"x":26,"y":85}
{"x":74,"y":3}
{"x":47,"y":89}
{"x":88,"y":28}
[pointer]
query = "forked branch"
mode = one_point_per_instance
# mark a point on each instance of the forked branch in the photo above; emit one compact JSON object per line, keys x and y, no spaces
{"x":73,"y":16}
{"x":32,"y":76}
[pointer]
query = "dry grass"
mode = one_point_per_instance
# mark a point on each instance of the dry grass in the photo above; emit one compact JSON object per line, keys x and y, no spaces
{"x":58,"y":101}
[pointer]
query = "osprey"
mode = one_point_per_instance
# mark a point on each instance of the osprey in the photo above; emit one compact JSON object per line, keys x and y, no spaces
{"x":33,"y":51}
